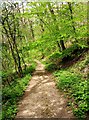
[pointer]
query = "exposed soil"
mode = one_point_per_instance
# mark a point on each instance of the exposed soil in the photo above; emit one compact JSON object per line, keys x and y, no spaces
{"x":42,"y":99}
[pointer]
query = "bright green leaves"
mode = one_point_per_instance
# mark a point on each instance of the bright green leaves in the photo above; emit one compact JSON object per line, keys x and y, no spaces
{"x":76,"y":87}
{"x":66,"y":79}
{"x":11,"y":94}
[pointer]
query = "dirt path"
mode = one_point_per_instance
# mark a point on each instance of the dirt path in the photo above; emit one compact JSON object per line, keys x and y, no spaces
{"x":42,"y":99}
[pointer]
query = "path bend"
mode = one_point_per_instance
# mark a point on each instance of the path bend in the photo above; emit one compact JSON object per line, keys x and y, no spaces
{"x":42,"y":99}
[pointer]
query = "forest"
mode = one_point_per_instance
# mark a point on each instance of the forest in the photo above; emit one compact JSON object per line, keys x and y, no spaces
{"x":39,"y":40}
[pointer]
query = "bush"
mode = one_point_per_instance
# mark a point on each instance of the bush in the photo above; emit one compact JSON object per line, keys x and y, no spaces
{"x":66,"y":55}
{"x":30,"y":69}
{"x":55,"y":58}
{"x":87,"y":61}
{"x":70,"y":53}
{"x":12,"y":93}
{"x":77,"y":88}
{"x":73,"y":49}
{"x":51,"y":67}
{"x":9,"y":111}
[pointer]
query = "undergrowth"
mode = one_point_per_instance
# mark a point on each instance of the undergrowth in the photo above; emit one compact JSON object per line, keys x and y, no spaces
{"x":57,"y":59}
{"x":75,"y":87}
{"x":13,"y":92}
{"x":74,"y":81}
{"x":51,"y":67}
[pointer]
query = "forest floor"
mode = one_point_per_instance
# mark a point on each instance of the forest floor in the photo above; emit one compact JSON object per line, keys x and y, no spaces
{"x":42,"y":99}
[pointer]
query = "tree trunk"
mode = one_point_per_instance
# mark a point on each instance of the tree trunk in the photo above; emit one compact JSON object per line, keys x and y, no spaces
{"x":58,"y":46}
{"x":23,"y":61}
{"x":62,"y":45}
{"x":13,"y":55}
{"x":42,"y":28}
{"x":19,"y":61}
{"x":88,"y":23}
{"x":11,"y":35}
{"x":71,"y":15}
{"x":31,"y":28}
{"x":54,"y":18}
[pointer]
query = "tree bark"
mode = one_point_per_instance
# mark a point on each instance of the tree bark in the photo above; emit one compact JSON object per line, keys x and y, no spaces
{"x":62,"y":45}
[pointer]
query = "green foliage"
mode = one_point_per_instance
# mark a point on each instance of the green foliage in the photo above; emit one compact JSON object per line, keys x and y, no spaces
{"x":11,"y":95}
{"x":87,"y":61}
{"x":84,"y":63}
{"x":51,"y":67}
{"x":30,"y":69}
{"x":69,"y":51}
{"x":55,"y":57}
{"x":9,"y":111}
{"x":68,"y":54}
{"x":67,"y":79}
{"x":52,"y":22}
{"x":75,"y":87}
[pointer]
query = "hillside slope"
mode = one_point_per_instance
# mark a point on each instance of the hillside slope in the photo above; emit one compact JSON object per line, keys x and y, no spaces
{"x":74,"y":81}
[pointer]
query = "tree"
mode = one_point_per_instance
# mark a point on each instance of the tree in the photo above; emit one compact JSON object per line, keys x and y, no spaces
{"x":10,"y":24}
{"x":71,"y":18}
{"x":56,"y":26}
{"x":88,"y":23}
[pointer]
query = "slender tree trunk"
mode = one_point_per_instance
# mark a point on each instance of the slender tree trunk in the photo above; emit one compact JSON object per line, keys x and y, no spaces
{"x":88,"y":23}
{"x":13,"y":55}
{"x":71,"y":15}
{"x":54,"y":18}
{"x":62,"y":45}
{"x":42,"y":28}
{"x":58,"y":45}
{"x":16,"y":49}
{"x":31,"y":28}
{"x":23,"y":61}
{"x":13,"y":37}
{"x":41,"y":23}
{"x":32,"y":31}
{"x":3,"y":66}
{"x":23,"y":11}
{"x":19,"y":61}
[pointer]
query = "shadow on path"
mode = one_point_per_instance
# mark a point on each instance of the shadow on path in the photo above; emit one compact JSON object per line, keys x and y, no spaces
{"x":42,"y":99}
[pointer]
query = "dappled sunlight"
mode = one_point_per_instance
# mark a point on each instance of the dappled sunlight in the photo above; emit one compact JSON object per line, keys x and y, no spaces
{"x":44,"y":59}
{"x":42,"y":99}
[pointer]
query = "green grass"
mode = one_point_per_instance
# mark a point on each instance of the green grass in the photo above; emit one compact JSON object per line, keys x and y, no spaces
{"x":75,"y":87}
